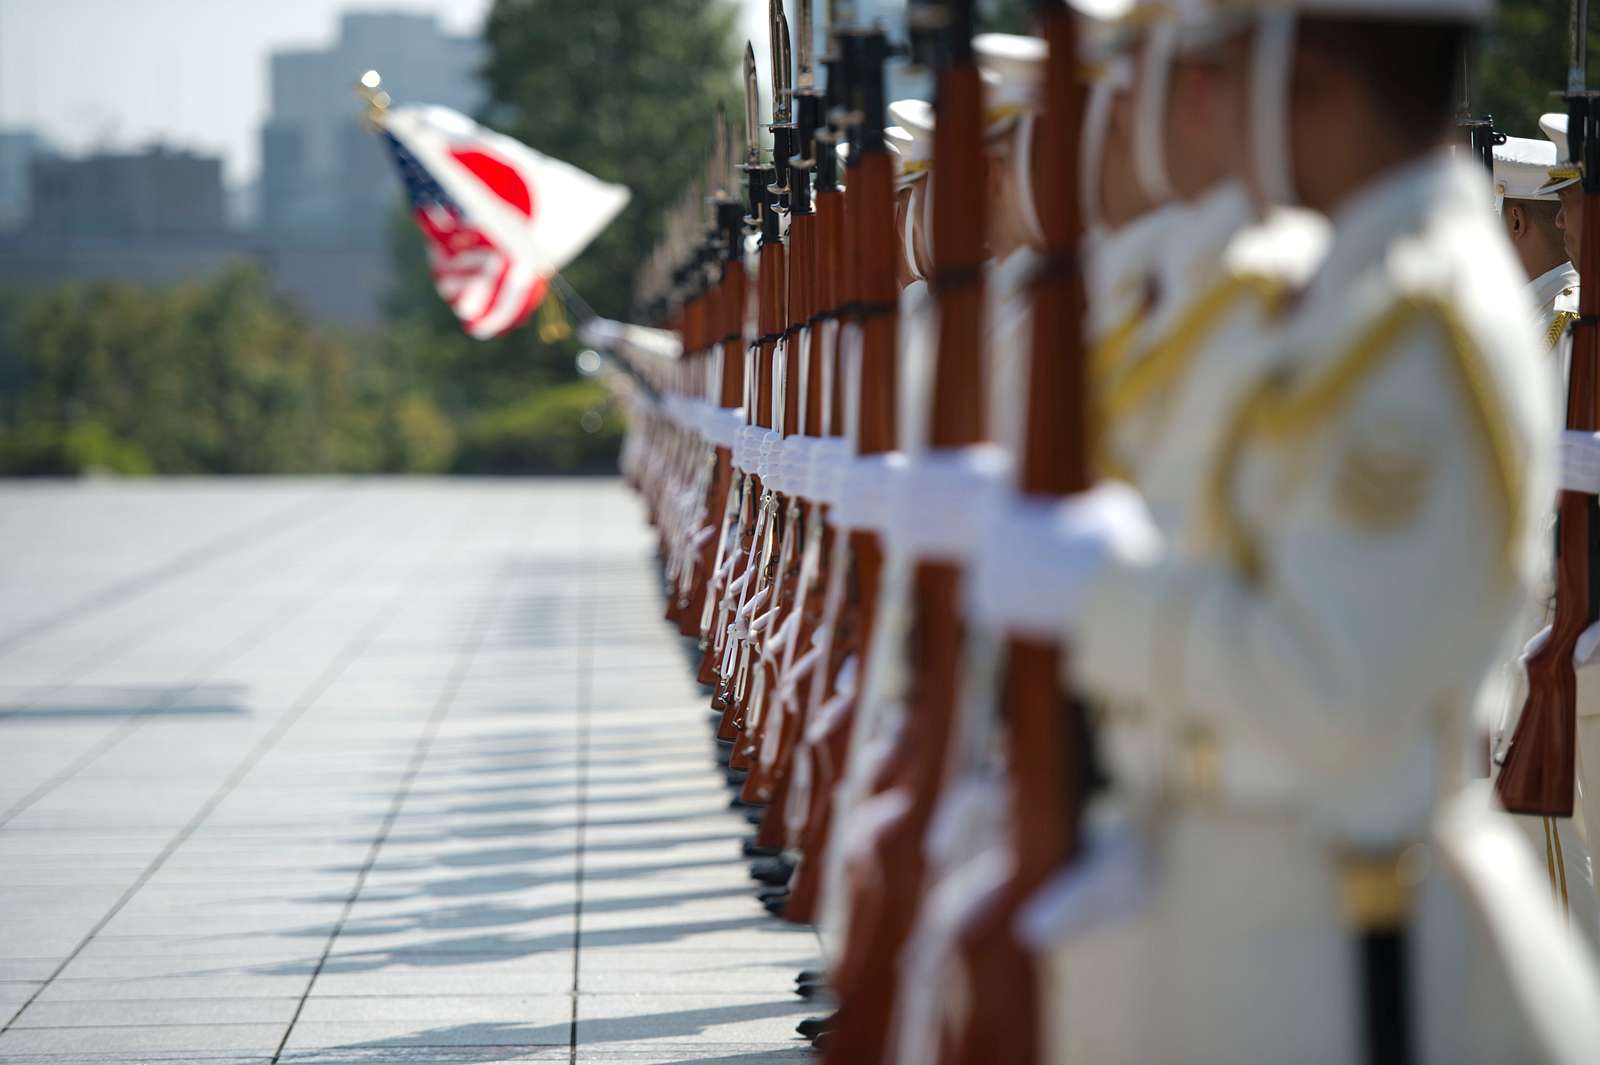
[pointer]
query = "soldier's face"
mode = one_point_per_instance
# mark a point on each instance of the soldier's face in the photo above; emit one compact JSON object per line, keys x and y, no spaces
{"x":1007,"y":231}
{"x":1121,"y":197}
{"x":1204,"y":106}
{"x":1570,"y":220}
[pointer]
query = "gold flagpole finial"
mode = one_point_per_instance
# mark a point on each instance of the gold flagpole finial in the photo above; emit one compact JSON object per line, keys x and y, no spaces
{"x":370,"y":89}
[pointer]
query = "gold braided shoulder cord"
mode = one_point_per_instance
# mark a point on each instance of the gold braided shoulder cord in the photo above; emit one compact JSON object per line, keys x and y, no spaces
{"x":1166,"y":359}
{"x":1107,"y":355}
{"x":1277,"y":409}
{"x":1558,"y":328}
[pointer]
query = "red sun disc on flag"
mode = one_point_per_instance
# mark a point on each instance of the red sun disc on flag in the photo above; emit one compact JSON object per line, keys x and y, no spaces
{"x":498,"y":176}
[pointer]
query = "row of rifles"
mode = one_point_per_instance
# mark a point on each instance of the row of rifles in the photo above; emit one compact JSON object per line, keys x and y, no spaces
{"x":772,"y":560}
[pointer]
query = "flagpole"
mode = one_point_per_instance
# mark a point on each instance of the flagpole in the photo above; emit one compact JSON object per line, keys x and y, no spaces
{"x":569,"y":296}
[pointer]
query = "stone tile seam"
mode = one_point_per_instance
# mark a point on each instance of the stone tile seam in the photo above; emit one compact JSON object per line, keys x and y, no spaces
{"x":388,"y":610}
{"x":479,"y":632}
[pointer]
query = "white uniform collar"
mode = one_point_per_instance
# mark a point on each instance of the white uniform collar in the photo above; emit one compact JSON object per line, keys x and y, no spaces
{"x":1544,"y":289}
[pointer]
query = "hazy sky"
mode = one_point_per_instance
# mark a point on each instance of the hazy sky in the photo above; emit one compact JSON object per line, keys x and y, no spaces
{"x":125,"y":73}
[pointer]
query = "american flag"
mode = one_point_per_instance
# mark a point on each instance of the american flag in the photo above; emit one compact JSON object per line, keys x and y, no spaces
{"x":486,"y":287}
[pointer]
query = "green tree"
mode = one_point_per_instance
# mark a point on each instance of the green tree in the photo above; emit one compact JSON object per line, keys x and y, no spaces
{"x":1523,"y":61}
{"x":219,"y":377}
{"x":624,"y":89}
{"x":1005,"y":16}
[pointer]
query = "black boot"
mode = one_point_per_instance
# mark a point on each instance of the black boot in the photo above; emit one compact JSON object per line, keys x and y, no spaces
{"x":811,"y":989}
{"x":774,"y":871}
{"x":812,"y":1027}
{"x":749,"y":849}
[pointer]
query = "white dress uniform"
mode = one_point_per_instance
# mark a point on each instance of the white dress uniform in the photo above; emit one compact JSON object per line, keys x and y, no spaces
{"x":1218,"y":291}
{"x":1302,"y":664}
{"x":1522,"y":171}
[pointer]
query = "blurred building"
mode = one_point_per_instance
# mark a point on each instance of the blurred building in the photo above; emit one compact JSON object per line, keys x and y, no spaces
{"x":18,"y":149}
{"x":154,"y":216}
{"x":156,"y":194}
{"x":324,"y":178}
{"x":318,"y":225}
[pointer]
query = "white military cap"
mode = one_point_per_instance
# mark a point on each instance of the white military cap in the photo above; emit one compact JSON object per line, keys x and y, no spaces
{"x":1522,"y":168}
{"x":914,"y":119}
{"x":1561,"y":171}
{"x":1013,"y":66}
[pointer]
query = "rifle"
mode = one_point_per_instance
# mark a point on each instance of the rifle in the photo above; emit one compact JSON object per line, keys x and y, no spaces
{"x":1477,"y":131}
{"x":729,"y":577}
{"x":729,"y":351}
{"x":869,"y":309}
{"x":1539,"y":771}
{"x":1047,"y":740}
{"x":797,"y":557}
{"x":884,"y":901}
{"x":805,"y":673}
{"x":754,"y":585}
{"x":688,"y":481}
{"x":720,"y":326}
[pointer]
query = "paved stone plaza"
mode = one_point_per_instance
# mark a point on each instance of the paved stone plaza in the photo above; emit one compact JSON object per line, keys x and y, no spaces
{"x":363,"y":771}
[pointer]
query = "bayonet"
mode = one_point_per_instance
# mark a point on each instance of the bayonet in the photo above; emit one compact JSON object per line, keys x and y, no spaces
{"x":805,"y":76}
{"x":752,"y":110}
{"x":782,"y":104}
{"x":1577,"y":50}
{"x":778,"y":25}
{"x":719,"y":152}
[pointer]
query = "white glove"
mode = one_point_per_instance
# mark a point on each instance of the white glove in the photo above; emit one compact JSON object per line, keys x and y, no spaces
{"x":1039,"y":559}
{"x":722,"y":425}
{"x":942,"y":501}
{"x":766,"y":448}
{"x":825,"y":469}
{"x":865,"y":491}
{"x":1580,"y":461}
{"x":1585,"y":653}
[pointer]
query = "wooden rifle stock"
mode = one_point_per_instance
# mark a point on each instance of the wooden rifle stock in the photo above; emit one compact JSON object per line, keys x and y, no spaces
{"x":769,"y":281}
{"x":800,"y":279}
{"x":697,"y":316}
{"x":824,"y":414}
{"x":726,"y":356}
{"x":885,"y":898}
{"x":1539,"y":773}
{"x":868,"y":294}
{"x":817,"y":540}
{"x":1046,"y":743}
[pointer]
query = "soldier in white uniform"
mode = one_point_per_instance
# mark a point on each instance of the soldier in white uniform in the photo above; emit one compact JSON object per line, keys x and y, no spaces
{"x":1529,"y":211}
{"x":1290,"y":835}
{"x":1528,"y":215}
{"x":1223,"y":271}
{"x":1013,"y":72}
